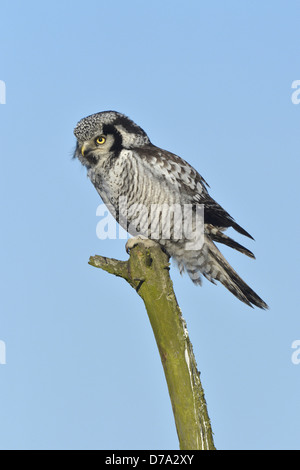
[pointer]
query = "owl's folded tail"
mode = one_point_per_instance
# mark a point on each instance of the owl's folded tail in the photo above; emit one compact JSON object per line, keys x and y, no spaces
{"x":211,"y":263}
{"x":234,"y":283}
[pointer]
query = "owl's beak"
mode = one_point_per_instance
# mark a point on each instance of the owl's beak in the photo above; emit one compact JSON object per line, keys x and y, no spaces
{"x":83,"y":149}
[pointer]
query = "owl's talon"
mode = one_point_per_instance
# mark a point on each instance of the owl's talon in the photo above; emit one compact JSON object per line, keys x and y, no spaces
{"x":132,"y":242}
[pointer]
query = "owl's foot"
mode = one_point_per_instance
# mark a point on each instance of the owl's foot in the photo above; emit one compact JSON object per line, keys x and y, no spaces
{"x":132,"y":242}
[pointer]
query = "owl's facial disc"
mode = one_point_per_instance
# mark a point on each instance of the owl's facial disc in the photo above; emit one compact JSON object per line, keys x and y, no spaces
{"x":93,"y":145}
{"x":86,"y":154}
{"x":91,"y":151}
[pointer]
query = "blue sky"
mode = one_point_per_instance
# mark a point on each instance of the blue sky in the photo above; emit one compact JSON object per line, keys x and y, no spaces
{"x":211,"y":82}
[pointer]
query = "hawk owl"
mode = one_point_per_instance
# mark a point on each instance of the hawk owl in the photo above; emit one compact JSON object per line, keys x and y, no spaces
{"x":124,"y":165}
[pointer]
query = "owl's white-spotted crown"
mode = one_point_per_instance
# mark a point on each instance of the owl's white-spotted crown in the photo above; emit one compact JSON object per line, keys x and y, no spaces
{"x":90,"y":126}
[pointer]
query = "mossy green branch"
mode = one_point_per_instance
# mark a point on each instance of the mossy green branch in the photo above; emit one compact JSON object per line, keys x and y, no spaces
{"x":147,"y":271}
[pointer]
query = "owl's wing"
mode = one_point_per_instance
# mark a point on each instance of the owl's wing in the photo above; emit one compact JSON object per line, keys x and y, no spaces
{"x":182,"y":177}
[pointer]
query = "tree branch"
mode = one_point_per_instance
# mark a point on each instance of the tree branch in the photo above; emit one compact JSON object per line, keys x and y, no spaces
{"x":147,"y":271}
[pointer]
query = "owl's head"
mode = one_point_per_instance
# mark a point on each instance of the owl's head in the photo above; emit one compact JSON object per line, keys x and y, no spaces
{"x":106,"y":133}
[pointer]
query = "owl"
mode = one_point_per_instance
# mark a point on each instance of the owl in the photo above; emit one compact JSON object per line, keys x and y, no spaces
{"x":156,"y":194}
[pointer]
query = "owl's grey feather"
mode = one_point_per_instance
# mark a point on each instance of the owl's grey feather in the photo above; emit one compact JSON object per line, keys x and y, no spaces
{"x":123,"y":163}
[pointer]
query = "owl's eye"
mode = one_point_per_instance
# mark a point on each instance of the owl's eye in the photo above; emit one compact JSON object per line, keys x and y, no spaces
{"x":100,"y":140}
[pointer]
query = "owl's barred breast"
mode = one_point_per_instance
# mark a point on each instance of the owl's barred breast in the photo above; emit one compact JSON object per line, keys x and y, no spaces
{"x":128,"y":176}
{"x":138,"y":199}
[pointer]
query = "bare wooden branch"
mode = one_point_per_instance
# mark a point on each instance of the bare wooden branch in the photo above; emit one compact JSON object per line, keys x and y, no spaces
{"x":147,"y":271}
